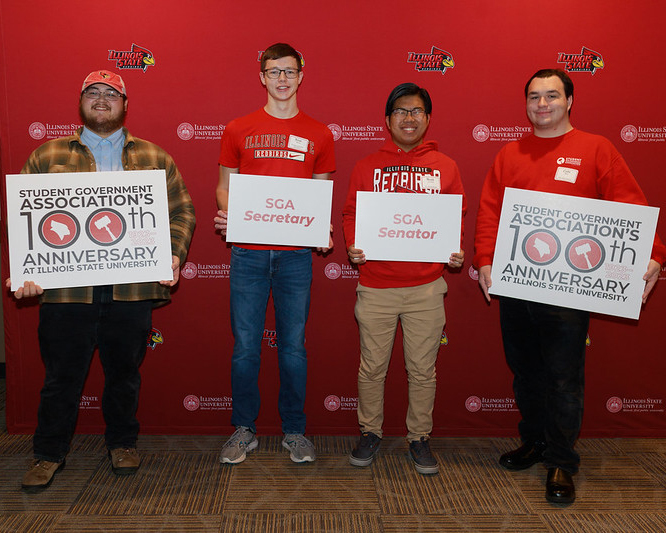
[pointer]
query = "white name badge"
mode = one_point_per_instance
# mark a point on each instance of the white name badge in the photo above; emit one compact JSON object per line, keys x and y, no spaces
{"x":408,"y":227}
{"x":298,"y":143}
{"x":573,"y":252}
{"x":88,"y":228}
{"x":279,"y":210}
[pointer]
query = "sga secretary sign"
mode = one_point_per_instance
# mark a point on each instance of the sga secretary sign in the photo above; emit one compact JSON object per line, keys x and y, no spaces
{"x":279,"y":210}
{"x":88,"y":228}
{"x":573,"y":252}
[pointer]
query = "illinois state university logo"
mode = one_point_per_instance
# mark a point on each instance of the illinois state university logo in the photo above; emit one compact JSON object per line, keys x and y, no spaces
{"x":481,"y":133}
{"x":189,"y":270}
{"x":191,"y":402}
{"x":444,"y":339}
{"x":333,"y":271}
{"x":336,"y":130}
{"x":137,"y":57}
{"x":614,"y":404}
{"x":185,"y":131}
{"x":473,"y":404}
{"x":629,"y":133}
{"x":587,"y":61}
{"x":154,"y":338}
{"x":270,"y":336}
{"x":332,"y":402}
{"x":436,"y":60}
{"x":37,"y":130}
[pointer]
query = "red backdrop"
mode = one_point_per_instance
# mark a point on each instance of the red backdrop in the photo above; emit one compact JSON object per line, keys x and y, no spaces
{"x":205,"y":73}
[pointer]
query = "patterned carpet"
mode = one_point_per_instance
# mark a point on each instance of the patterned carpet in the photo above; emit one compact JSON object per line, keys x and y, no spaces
{"x":181,"y":487}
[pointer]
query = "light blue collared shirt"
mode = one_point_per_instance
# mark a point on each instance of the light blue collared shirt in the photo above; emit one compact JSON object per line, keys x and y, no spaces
{"x":108,"y":152}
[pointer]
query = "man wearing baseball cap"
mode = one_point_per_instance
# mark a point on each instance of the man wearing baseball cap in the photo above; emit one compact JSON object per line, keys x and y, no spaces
{"x":116,"y":319}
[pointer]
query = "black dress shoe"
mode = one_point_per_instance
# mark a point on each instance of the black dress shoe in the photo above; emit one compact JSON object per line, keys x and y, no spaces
{"x":527,"y":455}
{"x":559,"y":486}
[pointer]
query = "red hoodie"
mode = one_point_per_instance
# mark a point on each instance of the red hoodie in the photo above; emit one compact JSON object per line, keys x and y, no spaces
{"x":400,"y":172}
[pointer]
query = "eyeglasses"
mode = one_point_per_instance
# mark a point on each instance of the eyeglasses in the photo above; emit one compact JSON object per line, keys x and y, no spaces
{"x":274,"y":73}
{"x":401,"y":112}
{"x":96,"y":94}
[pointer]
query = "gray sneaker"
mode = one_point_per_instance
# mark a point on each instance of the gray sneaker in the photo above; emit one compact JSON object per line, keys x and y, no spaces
{"x":301,"y":449}
{"x":235,"y":449}
{"x":423,"y":459}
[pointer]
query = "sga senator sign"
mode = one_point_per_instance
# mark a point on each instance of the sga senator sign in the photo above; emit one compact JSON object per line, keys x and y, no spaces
{"x":573,"y":252}
{"x":407,"y":226}
{"x":88,"y":228}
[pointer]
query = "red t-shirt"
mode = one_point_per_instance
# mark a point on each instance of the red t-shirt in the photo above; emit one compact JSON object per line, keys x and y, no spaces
{"x":296,"y":147}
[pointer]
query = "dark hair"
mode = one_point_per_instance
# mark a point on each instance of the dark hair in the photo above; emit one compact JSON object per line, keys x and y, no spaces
{"x":549,"y":72}
{"x":408,"y":89}
{"x":278,"y":51}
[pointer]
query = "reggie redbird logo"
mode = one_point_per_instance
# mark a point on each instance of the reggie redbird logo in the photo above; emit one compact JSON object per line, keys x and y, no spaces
{"x":587,"y":61}
{"x":136,"y":58}
{"x":437,"y":60}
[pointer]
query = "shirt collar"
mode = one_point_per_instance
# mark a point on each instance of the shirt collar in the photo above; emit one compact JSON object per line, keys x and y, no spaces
{"x":92,"y":140}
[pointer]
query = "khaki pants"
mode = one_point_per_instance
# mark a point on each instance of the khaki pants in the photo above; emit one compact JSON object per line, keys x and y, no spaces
{"x":420,"y":310}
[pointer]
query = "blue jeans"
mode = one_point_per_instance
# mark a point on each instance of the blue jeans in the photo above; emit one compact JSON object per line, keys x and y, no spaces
{"x":68,"y":334}
{"x":545,"y":349}
{"x":254,"y":274}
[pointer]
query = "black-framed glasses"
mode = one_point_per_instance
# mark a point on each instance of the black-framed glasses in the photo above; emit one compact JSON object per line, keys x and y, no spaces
{"x":401,"y":112}
{"x":95,"y":94}
{"x":274,"y":73}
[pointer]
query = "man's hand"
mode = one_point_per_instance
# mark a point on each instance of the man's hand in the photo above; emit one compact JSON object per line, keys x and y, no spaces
{"x":651,"y":277}
{"x":221,"y":222}
{"x":29,"y":289}
{"x":484,"y":280}
{"x":175,"y":266}
{"x":356,"y":255}
{"x":457,"y":259}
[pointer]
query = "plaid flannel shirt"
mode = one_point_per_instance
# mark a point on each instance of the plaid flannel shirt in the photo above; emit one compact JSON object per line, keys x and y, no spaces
{"x":69,"y":154}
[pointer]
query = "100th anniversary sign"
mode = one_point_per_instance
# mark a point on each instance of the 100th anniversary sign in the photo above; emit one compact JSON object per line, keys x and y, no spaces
{"x":88,"y":228}
{"x":573,"y":252}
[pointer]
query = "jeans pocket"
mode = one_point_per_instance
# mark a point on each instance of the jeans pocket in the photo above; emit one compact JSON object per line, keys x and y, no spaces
{"x":237,"y":250}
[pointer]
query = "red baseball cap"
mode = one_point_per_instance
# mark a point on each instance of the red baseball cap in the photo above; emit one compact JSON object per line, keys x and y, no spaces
{"x":108,"y":78}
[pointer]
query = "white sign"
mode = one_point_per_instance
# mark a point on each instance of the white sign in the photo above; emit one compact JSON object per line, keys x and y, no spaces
{"x":407,"y":226}
{"x":277,"y":210}
{"x":573,"y":252}
{"x":88,"y":228}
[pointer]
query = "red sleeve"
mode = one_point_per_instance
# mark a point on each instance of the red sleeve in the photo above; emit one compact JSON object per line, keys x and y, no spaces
{"x":229,"y":151}
{"x":326,"y":160}
{"x":619,"y":185}
{"x":487,"y":218}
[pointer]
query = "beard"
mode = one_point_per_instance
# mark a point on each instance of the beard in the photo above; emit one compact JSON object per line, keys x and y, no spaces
{"x":102,"y":125}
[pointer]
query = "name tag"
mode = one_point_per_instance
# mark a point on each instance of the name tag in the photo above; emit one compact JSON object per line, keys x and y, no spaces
{"x":298,"y":143}
{"x":566,"y":174}
{"x":430,"y":182}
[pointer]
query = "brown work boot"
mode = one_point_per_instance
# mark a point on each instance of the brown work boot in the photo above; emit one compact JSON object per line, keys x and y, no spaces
{"x":40,"y":475}
{"x":124,"y":461}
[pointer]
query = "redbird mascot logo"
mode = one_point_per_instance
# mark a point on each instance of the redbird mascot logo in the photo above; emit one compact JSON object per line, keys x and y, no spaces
{"x":437,"y":60}
{"x":136,"y":58}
